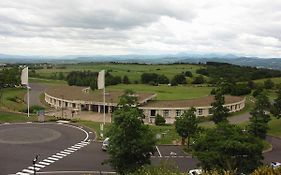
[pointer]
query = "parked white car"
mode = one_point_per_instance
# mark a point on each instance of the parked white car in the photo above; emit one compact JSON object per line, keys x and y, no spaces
{"x":195,"y":172}
{"x":105,"y":144}
{"x":275,"y":164}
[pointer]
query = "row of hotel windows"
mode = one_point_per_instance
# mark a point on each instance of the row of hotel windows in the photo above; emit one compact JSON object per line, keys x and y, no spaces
{"x":166,"y":113}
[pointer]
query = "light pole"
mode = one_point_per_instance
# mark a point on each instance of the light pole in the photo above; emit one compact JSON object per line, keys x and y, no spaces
{"x":34,"y":162}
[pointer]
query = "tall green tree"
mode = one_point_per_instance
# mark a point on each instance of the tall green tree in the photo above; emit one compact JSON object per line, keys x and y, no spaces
{"x":260,"y":117}
{"x":130,"y":141}
{"x":227,"y":147}
{"x":276,"y":107}
{"x":126,"y":80}
{"x":220,"y":113}
{"x":187,"y":125}
{"x":128,"y":98}
{"x":268,"y":84}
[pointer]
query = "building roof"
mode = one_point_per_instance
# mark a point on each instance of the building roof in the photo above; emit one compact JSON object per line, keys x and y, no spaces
{"x":198,"y":102}
{"x":81,"y":94}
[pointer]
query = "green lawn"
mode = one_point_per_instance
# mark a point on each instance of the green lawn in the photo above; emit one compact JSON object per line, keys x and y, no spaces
{"x":13,"y":99}
{"x":275,"y":80}
{"x":275,"y":127}
{"x":133,"y":71}
{"x":47,"y":81}
{"x":165,"y":92}
{"x":13,"y":117}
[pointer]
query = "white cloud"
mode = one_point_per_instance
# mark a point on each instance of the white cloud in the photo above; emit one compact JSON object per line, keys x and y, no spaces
{"x":64,"y":27}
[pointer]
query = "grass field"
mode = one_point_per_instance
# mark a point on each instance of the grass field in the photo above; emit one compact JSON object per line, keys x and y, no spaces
{"x":275,"y":127}
{"x":47,"y":81}
{"x":275,"y":80}
{"x":165,"y":92}
{"x":12,"y":99}
{"x":13,"y":117}
{"x":133,"y":71}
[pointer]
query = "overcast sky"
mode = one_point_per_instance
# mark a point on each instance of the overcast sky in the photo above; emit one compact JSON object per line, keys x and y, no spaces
{"x":111,"y":27}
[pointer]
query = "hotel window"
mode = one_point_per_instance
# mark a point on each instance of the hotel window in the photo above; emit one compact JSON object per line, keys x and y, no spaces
{"x":200,"y":111}
{"x":153,"y":113}
{"x":166,"y":113}
{"x":178,"y":113}
{"x":210,"y":111}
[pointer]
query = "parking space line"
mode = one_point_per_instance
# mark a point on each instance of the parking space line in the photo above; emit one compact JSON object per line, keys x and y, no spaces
{"x":160,"y":155}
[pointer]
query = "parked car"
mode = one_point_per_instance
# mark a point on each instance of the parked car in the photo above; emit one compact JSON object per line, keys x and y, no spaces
{"x":275,"y":164}
{"x":195,"y":172}
{"x":105,"y":144}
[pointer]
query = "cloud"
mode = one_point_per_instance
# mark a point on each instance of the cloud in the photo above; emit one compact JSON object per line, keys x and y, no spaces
{"x":63,"y":27}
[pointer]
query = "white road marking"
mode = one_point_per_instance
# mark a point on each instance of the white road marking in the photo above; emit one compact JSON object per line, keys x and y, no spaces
{"x":73,"y":149}
{"x":65,"y":152}
{"x":40,"y":166}
{"x":50,"y":161}
{"x":160,"y":155}
{"x":27,"y":171}
{"x":32,"y":168}
{"x":78,"y":147}
{"x":59,"y":154}
{"x":81,"y":144}
{"x":57,"y":157}
{"x":20,"y":173}
{"x":44,"y":163}
{"x":51,"y":158}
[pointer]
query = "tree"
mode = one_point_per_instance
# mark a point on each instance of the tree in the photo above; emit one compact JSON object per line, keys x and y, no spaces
{"x":165,"y":168}
{"x":128,"y":98}
{"x":220,"y":113}
{"x":240,"y":89}
{"x":131,"y":142}
{"x":126,"y":80}
{"x":188,"y":74}
{"x":159,"y":120}
{"x":276,"y":107}
{"x":257,"y":92}
{"x":187,"y":125}
{"x":227,"y":147}
{"x":259,"y":120}
{"x":178,"y":79}
{"x":198,"y":80}
{"x":268,"y":84}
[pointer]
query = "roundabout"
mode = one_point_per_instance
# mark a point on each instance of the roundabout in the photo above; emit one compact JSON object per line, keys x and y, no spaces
{"x":51,"y":142}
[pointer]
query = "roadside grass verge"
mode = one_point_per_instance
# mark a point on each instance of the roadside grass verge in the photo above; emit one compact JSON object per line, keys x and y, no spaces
{"x":14,"y":117}
{"x":13,"y":99}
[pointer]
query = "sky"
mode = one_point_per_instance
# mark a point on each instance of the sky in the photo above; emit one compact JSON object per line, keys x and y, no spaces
{"x":121,"y":27}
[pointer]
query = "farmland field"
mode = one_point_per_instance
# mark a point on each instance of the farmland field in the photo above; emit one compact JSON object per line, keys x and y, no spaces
{"x":133,"y":71}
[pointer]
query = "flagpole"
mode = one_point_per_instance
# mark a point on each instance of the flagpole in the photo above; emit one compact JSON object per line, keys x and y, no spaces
{"x":104,"y":105}
{"x":27,"y":100}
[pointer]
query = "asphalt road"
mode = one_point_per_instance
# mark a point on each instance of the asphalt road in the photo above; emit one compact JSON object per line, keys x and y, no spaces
{"x":25,"y":141}
{"x":63,"y":148}
{"x":35,"y":92}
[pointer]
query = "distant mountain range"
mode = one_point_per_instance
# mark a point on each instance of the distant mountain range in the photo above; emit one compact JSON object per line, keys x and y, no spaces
{"x":271,"y":63}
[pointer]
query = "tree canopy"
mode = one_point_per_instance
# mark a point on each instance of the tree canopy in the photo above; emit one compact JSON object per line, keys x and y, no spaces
{"x":276,"y":107}
{"x":187,"y":125}
{"x":227,"y":147}
{"x":130,"y":141}
{"x":220,"y":113}
{"x":260,"y":117}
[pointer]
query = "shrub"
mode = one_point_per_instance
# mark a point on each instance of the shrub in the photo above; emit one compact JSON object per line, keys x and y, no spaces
{"x":159,"y":120}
